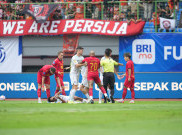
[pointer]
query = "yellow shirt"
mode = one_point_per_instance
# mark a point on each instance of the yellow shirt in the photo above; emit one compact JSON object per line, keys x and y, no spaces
{"x":108,"y":64}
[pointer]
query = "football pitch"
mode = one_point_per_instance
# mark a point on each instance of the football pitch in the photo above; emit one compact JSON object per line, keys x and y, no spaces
{"x":141,"y":118}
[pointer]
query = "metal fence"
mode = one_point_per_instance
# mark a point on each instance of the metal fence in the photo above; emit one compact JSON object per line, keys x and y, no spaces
{"x":128,"y":10}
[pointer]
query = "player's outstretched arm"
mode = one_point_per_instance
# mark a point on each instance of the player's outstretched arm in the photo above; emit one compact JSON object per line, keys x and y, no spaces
{"x":118,"y":76}
{"x":81,"y":64}
{"x":66,"y":68}
{"x":120,"y":64}
{"x":57,"y":94}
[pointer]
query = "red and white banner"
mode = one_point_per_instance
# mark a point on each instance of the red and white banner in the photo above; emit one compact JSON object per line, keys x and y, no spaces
{"x":59,"y":27}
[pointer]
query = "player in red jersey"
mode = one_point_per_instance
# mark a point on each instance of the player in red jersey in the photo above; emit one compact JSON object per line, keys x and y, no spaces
{"x":43,"y":78}
{"x":58,"y":64}
{"x":93,"y":64}
{"x":130,"y":78}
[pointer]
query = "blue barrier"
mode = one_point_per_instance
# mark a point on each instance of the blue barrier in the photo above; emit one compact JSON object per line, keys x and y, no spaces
{"x":147,"y":85}
{"x":153,"y":52}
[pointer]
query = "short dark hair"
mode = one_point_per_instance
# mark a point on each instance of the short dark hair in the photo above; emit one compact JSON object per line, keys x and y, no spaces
{"x":60,"y":52}
{"x":108,"y":51}
{"x":53,"y":69}
{"x":127,"y":55}
{"x":79,"y":48}
{"x":49,"y":99}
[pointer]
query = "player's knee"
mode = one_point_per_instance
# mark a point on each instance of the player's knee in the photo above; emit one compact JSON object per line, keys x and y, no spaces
{"x":39,"y":86}
{"x":47,"y":86}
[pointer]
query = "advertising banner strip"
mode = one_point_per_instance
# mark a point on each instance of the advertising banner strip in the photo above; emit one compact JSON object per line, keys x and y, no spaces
{"x":147,"y":85}
{"x":75,"y":26}
{"x":153,"y":52}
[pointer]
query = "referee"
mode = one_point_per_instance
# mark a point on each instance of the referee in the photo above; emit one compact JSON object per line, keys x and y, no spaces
{"x":108,"y":76}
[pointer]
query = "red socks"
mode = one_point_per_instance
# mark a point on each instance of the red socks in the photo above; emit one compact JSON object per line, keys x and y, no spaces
{"x":48,"y":93}
{"x":124,"y":93}
{"x":103,"y":90}
{"x":63,"y":92}
{"x":132,"y":93}
{"x":90,"y":91}
{"x":39,"y":92}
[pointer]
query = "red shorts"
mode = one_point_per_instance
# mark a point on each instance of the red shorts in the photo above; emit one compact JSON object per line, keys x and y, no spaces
{"x":130,"y":84}
{"x":39,"y":79}
{"x":61,"y":80}
{"x":94,"y":77}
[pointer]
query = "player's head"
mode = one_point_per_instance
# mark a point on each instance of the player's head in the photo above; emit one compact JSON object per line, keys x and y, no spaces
{"x":60,"y":55}
{"x":79,"y":50}
{"x":108,"y":52}
{"x":92,"y":53}
{"x":51,"y":99}
{"x":127,"y":56}
{"x":52,"y":70}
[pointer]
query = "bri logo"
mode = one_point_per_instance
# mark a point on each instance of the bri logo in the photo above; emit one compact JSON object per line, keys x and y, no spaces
{"x":2,"y":53}
{"x":143,"y":51}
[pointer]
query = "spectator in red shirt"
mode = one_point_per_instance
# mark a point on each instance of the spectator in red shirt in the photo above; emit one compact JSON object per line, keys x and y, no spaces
{"x":79,"y":13}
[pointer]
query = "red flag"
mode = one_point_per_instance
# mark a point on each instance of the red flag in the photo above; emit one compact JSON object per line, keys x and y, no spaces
{"x":70,"y":43}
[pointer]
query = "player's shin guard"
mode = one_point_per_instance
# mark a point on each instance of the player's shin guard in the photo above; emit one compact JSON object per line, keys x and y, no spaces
{"x":39,"y":93}
{"x":103,"y":91}
{"x":91,"y":92}
{"x":124,"y":93}
{"x":132,"y":93}
{"x":48,"y":93}
{"x":63,"y":92}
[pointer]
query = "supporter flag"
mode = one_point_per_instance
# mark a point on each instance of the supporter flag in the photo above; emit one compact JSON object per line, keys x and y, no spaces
{"x":39,"y":12}
{"x":70,"y":43}
{"x":167,"y":23}
{"x":10,"y":55}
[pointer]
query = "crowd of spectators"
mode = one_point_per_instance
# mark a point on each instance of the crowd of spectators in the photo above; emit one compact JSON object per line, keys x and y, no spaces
{"x":125,"y":11}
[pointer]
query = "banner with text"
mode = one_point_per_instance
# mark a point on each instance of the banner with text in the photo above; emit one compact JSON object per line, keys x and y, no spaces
{"x":80,"y":26}
{"x":147,"y":85}
{"x":153,"y":52}
{"x":10,"y":55}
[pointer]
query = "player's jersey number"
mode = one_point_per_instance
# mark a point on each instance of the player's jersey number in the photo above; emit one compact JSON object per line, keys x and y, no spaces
{"x":93,"y":66}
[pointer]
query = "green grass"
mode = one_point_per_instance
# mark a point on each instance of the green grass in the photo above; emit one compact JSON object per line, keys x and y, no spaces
{"x":141,"y":118}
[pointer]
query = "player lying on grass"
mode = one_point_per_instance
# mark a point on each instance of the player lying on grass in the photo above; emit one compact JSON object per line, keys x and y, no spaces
{"x":64,"y":99}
